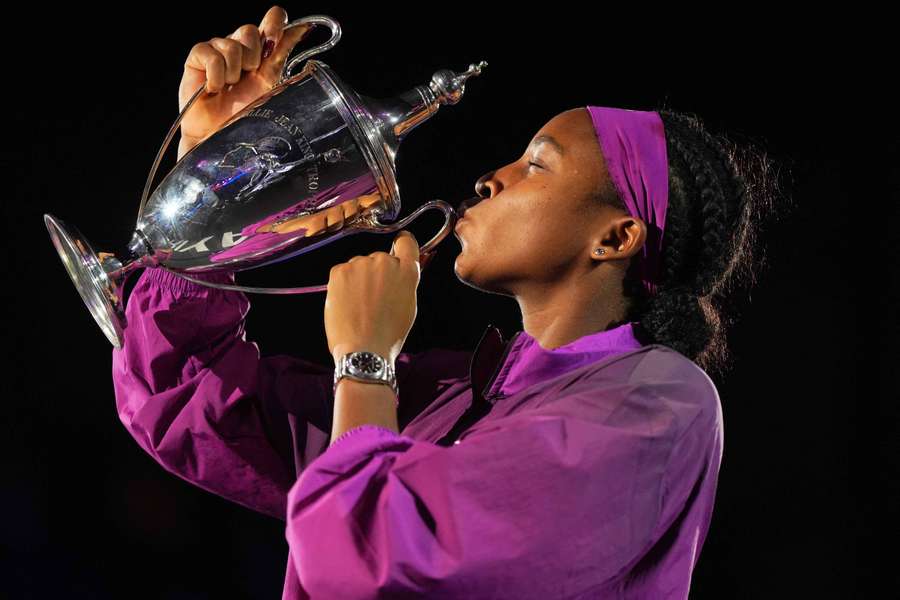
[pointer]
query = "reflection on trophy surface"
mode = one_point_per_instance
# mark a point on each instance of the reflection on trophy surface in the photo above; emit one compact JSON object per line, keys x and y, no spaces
{"x":307,"y":163}
{"x":331,"y":219}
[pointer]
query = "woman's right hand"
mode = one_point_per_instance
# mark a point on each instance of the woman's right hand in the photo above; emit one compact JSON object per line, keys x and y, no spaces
{"x":236,"y":72}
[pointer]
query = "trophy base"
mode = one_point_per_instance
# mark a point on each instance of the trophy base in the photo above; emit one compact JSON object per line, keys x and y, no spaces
{"x":101,"y":294}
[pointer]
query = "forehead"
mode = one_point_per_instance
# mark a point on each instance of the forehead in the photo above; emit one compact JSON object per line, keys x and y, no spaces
{"x":572,"y":129}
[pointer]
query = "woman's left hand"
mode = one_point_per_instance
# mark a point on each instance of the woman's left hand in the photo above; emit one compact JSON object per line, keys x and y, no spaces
{"x":371,"y":300}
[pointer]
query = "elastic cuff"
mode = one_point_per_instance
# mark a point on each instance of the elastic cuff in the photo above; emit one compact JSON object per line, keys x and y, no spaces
{"x":369,"y":428}
{"x":179,"y":285}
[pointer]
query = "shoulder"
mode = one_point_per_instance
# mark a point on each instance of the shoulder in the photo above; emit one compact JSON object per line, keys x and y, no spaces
{"x":683,"y":386}
{"x":652,"y":383}
{"x":662,"y":364}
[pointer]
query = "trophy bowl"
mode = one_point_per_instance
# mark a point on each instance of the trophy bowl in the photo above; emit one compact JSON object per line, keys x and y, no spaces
{"x":305,"y":164}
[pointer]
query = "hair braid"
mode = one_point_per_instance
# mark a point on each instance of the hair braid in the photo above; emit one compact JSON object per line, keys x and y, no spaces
{"x":720,"y":194}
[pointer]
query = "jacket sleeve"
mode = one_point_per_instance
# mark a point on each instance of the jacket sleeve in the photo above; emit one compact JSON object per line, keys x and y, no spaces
{"x":199,"y":398}
{"x":544,"y":503}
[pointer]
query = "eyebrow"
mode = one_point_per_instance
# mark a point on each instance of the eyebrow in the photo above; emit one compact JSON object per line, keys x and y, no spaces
{"x":547,"y":139}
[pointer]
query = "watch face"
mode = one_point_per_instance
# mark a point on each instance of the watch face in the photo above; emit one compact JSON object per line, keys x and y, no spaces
{"x":366,"y":362}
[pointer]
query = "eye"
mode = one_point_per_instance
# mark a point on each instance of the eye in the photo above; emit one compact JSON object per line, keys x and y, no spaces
{"x":535,"y":165}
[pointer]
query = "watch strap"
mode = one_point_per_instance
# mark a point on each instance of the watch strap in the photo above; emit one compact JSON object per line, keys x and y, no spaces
{"x":389,"y":378}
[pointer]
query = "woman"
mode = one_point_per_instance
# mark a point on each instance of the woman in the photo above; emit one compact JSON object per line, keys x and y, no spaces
{"x":579,"y":459}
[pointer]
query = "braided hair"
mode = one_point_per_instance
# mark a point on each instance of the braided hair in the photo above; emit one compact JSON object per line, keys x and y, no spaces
{"x":720,"y":195}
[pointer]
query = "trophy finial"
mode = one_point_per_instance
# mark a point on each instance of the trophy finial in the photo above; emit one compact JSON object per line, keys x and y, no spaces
{"x":396,"y":117}
{"x":449,"y":87}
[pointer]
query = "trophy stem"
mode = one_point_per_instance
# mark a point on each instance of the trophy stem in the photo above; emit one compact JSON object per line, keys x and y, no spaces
{"x":100,"y":282}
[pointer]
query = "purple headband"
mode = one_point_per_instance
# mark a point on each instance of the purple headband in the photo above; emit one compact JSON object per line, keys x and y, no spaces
{"x":633,"y":143}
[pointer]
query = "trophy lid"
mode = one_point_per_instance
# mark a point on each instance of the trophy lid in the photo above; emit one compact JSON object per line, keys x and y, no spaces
{"x":381,"y":124}
{"x":396,"y":117}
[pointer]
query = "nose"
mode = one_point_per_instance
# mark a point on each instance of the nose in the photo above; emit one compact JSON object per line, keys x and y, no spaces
{"x":483,"y":191}
{"x":486,"y":186}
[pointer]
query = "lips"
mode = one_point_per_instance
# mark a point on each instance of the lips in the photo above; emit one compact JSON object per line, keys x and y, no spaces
{"x":467,"y":204}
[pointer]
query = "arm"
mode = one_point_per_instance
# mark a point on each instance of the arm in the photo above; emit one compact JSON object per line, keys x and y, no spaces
{"x":421,"y":377}
{"x":199,"y":398}
{"x":358,"y":403}
{"x":548,"y":502}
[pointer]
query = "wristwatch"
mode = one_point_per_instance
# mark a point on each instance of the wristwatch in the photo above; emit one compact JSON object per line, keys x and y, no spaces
{"x":367,"y":367}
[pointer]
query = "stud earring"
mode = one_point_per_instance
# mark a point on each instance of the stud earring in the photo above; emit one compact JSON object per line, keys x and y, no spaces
{"x":600,"y":251}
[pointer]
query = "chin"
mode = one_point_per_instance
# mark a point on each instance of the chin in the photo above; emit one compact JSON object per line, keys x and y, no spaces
{"x":462,"y":269}
{"x":465,"y":274}
{"x":460,"y":272}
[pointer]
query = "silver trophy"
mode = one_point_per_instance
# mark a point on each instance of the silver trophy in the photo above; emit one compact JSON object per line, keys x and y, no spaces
{"x":259,"y":189}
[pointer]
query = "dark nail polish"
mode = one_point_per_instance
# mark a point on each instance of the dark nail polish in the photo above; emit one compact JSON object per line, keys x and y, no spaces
{"x":267,"y":48}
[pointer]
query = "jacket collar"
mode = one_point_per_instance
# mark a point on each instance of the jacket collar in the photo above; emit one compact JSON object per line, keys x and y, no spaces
{"x":500,"y":367}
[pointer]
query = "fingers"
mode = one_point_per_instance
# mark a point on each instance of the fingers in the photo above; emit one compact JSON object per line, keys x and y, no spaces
{"x":405,"y":246}
{"x":249,"y":38}
{"x":221,"y":61}
{"x":287,"y":40}
{"x":272,"y":28}
{"x":272,"y":23}
{"x":209,"y":64}
{"x":227,"y":70}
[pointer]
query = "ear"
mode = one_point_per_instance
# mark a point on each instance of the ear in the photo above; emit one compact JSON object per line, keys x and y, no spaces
{"x":625,"y":236}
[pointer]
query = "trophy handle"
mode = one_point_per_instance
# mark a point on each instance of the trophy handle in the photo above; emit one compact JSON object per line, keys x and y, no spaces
{"x":333,"y":25}
{"x":450,"y":217}
{"x":335,"y":28}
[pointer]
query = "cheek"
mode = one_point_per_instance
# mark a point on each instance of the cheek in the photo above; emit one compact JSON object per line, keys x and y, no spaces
{"x":540,"y":223}
{"x":520,"y":240}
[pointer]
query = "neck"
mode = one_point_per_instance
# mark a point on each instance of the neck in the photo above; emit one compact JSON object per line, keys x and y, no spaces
{"x":557,"y":314}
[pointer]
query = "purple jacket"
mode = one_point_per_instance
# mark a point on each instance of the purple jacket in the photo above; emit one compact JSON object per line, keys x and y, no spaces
{"x":586,"y":471}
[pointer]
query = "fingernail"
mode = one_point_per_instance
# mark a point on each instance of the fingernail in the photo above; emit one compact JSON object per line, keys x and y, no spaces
{"x":268,"y":46}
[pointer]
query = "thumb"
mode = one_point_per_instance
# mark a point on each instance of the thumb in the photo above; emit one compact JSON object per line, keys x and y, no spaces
{"x":271,"y":67}
{"x":405,"y":246}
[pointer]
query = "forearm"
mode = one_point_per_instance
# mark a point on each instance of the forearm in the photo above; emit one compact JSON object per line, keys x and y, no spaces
{"x":359,"y":403}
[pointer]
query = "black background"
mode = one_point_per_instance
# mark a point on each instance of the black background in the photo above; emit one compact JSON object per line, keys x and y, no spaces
{"x":88,"y":514}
